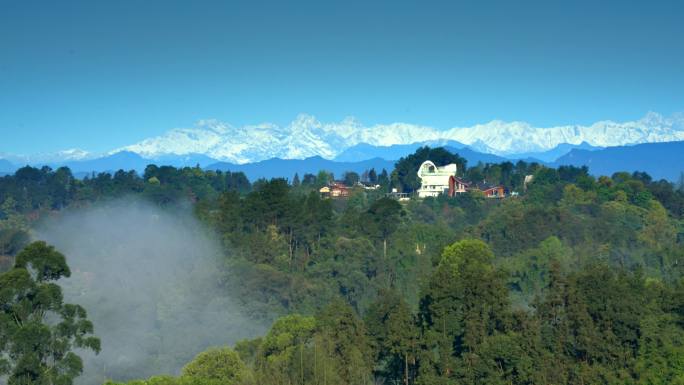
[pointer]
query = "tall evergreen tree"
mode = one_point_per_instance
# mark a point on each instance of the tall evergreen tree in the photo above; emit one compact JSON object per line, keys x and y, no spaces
{"x":465,"y":302}
{"x":394,"y":333}
{"x":372,"y":176}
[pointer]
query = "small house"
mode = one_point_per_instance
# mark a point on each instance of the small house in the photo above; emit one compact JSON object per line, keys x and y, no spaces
{"x":395,"y":194}
{"x":367,"y":186}
{"x":457,"y":186}
{"x":324,"y":191}
{"x":494,"y":192}
{"x":335,"y":190}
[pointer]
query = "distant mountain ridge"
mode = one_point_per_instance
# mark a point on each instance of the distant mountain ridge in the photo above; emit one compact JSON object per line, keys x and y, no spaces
{"x":125,"y":160}
{"x":363,"y":151}
{"x":659,"y":160}
{"x":287,"y":168}
{"x":553,"y":154}
{"x":6,"y":166}
{"x":306,"y":137}
{"x":349,"y":140}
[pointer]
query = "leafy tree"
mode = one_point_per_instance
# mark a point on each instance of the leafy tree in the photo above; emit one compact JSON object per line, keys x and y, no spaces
{"x":215,"y":366}
{"x":281,"y":357}
{"x":658,"y":230}
{"x":220,"y":366}
{"x":309,"y":180}
{"x":38,"y":331}
{"x":248,"y":349}
{"x":476,"y":174}
{"x":351,"y":178}
{"x":12,"y":240}
{"x":661,"y":341}
{"x":323,"y":178}
{"x":466,"y":302}
{"x":529,"y":270}
{"x":394,"y":333}
{"x":345,"y":340}
{"x":351,"y":267}
{"x":382,"y":219}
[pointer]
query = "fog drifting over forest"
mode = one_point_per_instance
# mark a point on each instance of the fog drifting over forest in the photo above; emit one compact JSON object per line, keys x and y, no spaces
{"x":151,"y":281}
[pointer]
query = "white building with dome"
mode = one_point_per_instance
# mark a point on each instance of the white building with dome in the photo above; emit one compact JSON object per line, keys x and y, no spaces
{"x":435,"y":181}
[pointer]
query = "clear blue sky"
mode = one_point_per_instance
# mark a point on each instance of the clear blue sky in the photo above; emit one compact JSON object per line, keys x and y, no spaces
{"x":100,"y":74}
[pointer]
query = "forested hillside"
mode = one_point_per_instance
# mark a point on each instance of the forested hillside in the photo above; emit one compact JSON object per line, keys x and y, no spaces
{"x":576,"y":280}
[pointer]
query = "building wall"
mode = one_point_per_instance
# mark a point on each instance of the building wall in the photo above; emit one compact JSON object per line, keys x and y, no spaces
{"x":495,"y":192}
{"x":434,"y":180}
{"x":456,"y":186}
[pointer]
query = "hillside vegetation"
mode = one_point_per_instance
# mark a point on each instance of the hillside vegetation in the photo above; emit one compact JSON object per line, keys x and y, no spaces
{"x":578,"y":280}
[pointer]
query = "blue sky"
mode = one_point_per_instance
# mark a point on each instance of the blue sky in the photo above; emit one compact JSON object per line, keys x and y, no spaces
{"x":102,"y":74}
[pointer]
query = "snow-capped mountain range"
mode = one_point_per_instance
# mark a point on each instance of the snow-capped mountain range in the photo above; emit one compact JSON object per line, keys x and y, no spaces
{"x":73,"y":154}
{"x":306,"y":136}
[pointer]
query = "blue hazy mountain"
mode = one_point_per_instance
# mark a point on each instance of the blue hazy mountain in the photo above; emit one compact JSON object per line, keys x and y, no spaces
{"x":188,"y":160}
{"x":286,"y":168}
{"x":272,"y":168}
{"x":121,"y":160}
{"x":131,"y":161}
{"x":365,"y":151}
{"x":553,"y":154}
{"x":474,"y":157}
{"x":6,"y":165}
{"x":660,"y":160}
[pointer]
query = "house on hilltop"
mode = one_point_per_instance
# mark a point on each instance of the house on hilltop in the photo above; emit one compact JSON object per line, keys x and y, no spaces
{"x":367,"y":185}
{"x":435,"y":181}
{"x":494,"y":192}
{"x":335,"y":190}
{"x":489,"y":190}
{"x":457,"y":186}
{"x":400,"y":196}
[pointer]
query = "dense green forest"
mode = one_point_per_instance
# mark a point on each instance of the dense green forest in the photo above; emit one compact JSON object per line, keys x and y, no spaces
{"x":577,"y":280}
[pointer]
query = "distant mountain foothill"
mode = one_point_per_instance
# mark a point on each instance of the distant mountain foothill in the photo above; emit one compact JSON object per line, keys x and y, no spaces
{"x":660,"y":160}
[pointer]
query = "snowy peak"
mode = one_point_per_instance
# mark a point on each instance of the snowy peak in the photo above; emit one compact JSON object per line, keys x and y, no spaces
{"x":306,"y":136}
{"x":73,"y":154}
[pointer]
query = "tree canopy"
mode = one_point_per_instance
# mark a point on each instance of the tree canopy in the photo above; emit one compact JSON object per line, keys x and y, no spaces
{"x":405,"y":175}
{"x":38,"y":331}
{"x":578,"y":279}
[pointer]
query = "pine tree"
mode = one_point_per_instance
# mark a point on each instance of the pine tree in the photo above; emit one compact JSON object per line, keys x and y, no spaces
{"x":372,"y":176}
{"x":395,"y":336}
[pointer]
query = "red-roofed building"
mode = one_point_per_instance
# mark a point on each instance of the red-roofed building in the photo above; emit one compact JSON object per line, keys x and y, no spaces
{"x":495,"y":192}
{"x":457,"y":186}
{"x":335,"y":190}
